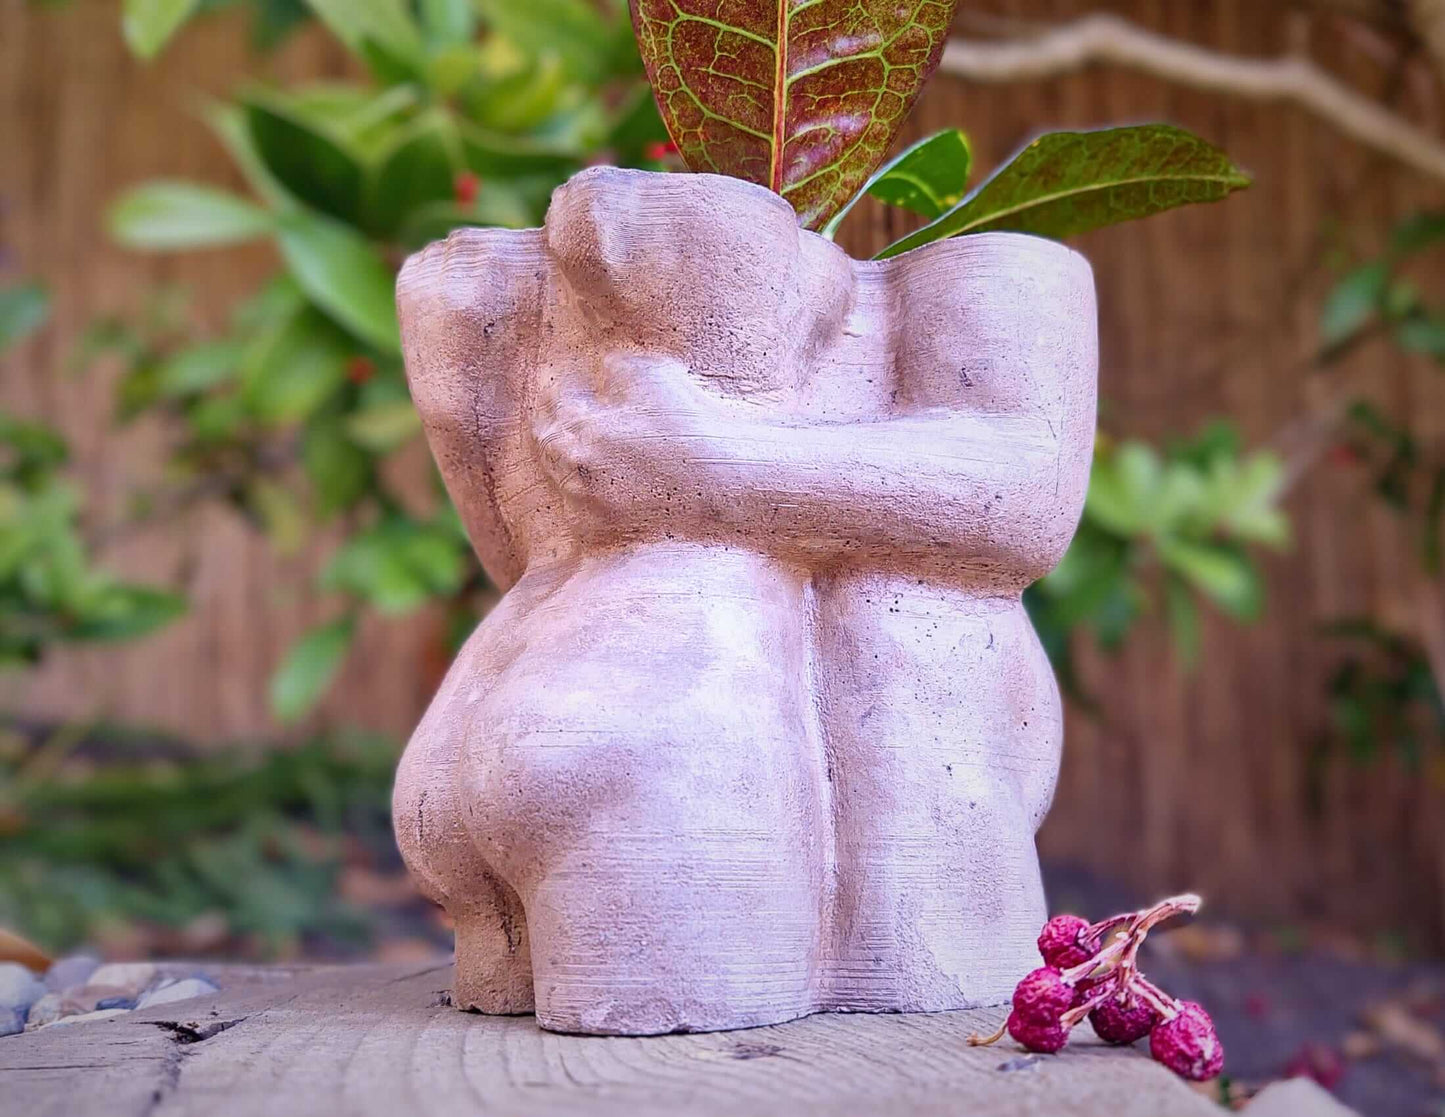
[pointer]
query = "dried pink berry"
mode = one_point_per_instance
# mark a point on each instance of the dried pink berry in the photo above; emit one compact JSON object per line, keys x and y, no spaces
{"x":1045,"y":1038}
{"x":1086,"y":987}
{"x":1188,"y":1045}
{"x":1062,"y":942}
{"x":1125,"y":1022}
{"x":1043,"y":996}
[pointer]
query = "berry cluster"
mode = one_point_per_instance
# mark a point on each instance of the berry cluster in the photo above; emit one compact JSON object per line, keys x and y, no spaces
{"x":1091,"y":969}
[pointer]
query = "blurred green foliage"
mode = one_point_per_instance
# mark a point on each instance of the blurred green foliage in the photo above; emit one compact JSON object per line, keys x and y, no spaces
{"x":1162,"y":532}
{"x":1386,"y":695}
{"x":473,"y":114}
{"x":99,"y":831}
{"x":49,"y":591}
{"x":476,"y":110}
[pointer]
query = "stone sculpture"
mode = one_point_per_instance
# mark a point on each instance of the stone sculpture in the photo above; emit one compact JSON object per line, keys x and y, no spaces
{"x":759,"y":727}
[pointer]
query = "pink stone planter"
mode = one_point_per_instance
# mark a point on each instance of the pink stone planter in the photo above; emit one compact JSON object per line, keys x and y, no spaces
{"x":759,"y":727}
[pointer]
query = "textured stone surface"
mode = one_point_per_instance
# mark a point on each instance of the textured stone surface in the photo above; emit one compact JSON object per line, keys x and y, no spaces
{"x":67,"y":973}
{"x":124,"y":977}
{"x":19,"y":988}
{"x":760,"y":727}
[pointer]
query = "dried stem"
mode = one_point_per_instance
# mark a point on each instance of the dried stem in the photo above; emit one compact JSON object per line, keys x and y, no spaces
{"x":1289,"y":79}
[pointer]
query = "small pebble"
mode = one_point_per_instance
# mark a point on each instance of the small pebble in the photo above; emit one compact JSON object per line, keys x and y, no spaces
{"x":178,"y":991}
{"x":126,"y":1003}
{"x":12,"y":1021}
{"x":19,"y":988}
{"x":87,"y":1017}
{"x":88,"y":998}
{"x":47,"y":1010}
{"x":70,"y":972}
{"x":132,"y":977}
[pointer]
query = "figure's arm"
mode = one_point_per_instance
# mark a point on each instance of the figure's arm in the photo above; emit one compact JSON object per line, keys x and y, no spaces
{"x":989,"y":492}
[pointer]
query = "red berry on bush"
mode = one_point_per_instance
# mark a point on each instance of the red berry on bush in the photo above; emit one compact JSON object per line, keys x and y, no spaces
{"x":1045,"y":1038}
{"x":659,"y":151}
{"x":1042,"y":996}
{"x":466,"y":186}
{"x":1188,"y":1045}
{"x":1062,"y":942}
{"x":1123,"y":1023}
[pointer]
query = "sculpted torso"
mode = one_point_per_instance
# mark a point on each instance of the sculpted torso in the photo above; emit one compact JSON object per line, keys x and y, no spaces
{"x":759,"y":727}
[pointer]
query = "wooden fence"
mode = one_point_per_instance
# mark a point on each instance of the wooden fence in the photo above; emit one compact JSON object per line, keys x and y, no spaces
{"x":1200,"y":780}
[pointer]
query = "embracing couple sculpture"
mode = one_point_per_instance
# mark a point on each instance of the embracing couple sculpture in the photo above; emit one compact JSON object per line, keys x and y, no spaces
{"x":760,"y":727}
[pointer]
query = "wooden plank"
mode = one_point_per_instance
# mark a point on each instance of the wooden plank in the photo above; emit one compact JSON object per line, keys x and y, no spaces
{"x":382,"y":1040}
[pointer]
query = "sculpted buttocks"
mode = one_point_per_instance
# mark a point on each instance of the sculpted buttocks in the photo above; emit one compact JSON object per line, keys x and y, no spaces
{"x":759,"y":728}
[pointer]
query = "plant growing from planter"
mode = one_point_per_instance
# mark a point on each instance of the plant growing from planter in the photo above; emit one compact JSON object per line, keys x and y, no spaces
{"x":760,"y":727}
{"x":293,"y":414}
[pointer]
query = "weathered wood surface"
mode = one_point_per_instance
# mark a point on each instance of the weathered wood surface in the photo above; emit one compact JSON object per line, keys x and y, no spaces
{"x":1194,"y":776}
{"x":382,"y":1040}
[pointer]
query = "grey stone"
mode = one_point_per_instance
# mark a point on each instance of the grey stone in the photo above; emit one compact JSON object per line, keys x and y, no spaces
{"x":47,"y":1010}
{"x":88,"y":998}
{"x":126,"y":1003}
{"x":12,"y":1021}
{"x":19,"y":988}
{"x":70,"y":972}
{"x":182,"y":990}
{"x":132,"y":977}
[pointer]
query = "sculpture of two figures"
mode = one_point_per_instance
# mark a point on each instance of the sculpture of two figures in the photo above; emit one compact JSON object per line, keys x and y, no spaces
{"x":760,"y":727}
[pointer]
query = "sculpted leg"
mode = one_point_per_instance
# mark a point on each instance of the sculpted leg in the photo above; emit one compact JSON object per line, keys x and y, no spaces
{"x":943,"y":730}
{"x":494,"y":967}
{"x":654,"y":805}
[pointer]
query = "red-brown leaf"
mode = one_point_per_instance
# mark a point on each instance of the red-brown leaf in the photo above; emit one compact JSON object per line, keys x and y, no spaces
{"x":802,"y":96}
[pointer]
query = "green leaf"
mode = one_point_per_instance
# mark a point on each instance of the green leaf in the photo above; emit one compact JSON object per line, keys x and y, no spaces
{"x":448,"y":22}
{"x":495,"y":154}
{"x":1353,"y":304}
{"x":1123,"y":489}
{"x":419,"y":169}
{"x":123,"y":612}
{"x":573,"y":30}
{"x":1222,"y":574}
{"x":1424,"y":333}
{"x":1251,"y":495}
{"x":636,"y":125}
{"x":310,"y":667}
{"x":232,"y":127}
{"x":279,"y":513}
{"x":928,"y":178}
{"x":340,"y":471}
{"x":198,"y":368}
{"x":163,"y":216}
{"x":1417,"y":232}
{"x":385,"y":25}
{"x":398,"y":565}
{"x":290,"y":370}
{"x":1067,"y":183}
{"x":340,"y":273}
{"x":316,"y":167}
{"x":149,"y":24}
{"x":23,"y":310}
{"x":385,"y":426}
{"x":804,"y":99}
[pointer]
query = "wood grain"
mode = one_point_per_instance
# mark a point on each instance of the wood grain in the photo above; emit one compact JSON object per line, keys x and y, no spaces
{"x":376,"y":1040}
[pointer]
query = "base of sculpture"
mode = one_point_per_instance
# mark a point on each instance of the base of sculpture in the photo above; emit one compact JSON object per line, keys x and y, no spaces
{"x":760,"y":727}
